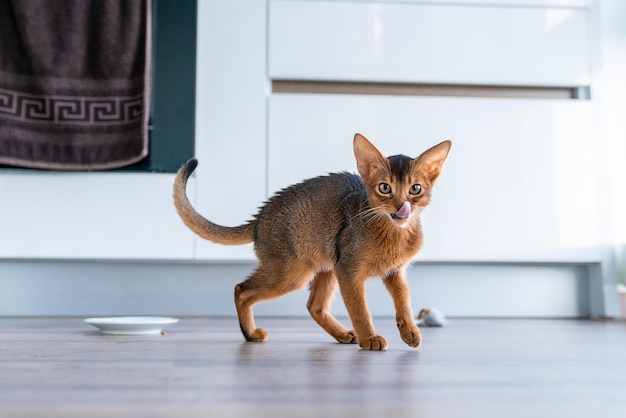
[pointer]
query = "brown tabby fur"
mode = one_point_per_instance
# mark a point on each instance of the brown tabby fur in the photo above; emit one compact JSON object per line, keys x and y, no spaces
{"x":333,"y":230}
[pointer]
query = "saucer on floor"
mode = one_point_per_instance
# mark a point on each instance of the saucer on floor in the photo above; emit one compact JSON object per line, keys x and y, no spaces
{"x":131,"y":325}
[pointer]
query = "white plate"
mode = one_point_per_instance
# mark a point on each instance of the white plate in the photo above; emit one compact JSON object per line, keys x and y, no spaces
{"x":136,"y":325}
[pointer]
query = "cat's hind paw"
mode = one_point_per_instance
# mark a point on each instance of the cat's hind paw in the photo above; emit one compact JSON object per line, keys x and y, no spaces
{"x":374,"y":343}
{"x":258,"y":335}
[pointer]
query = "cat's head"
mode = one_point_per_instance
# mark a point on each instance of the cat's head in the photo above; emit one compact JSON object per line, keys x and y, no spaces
{"x":398,"y":187}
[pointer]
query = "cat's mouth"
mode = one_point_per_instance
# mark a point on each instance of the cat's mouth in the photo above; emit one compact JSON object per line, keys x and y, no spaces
{"x":403,"y":213}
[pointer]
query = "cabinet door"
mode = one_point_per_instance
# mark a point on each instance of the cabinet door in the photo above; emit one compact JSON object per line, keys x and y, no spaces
{"x":428,"y":43}
{"x":230,"y":118}
{"x":90,"y":215}
{"x":518,"y":185}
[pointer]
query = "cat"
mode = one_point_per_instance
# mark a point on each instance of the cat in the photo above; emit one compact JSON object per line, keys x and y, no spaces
{"x":329,"y":231}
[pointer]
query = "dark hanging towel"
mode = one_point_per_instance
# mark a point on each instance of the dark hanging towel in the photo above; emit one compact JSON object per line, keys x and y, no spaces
{"x":74,"y":83}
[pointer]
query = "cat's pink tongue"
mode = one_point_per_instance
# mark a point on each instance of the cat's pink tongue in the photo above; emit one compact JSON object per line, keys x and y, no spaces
{"x":405,"y":211}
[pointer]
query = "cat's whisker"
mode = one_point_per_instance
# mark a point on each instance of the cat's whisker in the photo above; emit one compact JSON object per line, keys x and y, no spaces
{"x":365,"y":213}
{"x":370,"y":215}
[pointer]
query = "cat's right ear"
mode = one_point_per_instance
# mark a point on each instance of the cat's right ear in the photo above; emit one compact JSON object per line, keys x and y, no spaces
{"x":368,"y":159}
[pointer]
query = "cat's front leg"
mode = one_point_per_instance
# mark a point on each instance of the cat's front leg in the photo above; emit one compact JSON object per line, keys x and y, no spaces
{"x":322,"y":289}
{"x":353,"y":294}
{"x":399,"y":290}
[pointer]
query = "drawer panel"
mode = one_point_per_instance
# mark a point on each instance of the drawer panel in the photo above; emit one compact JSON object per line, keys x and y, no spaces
{"x":426,"y":43}
{"x":505,"y":193}
{"x":104,"y":215}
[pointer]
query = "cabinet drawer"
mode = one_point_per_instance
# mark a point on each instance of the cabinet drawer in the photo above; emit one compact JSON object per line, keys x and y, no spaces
{"x":104,"y":215}
{"x":426,"y":43}
{"x":519,"y":179}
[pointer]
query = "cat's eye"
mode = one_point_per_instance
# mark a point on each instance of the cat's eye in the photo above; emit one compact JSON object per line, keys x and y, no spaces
{"x":384,"y":188}
{"x":415,"y":189}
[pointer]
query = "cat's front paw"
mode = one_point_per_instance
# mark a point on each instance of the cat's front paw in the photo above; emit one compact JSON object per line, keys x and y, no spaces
{"x":374,"y":343}
{"x":348,"y":338}
{"x":410,"y":334}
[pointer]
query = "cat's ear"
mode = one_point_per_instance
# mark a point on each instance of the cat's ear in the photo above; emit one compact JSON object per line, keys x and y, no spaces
{"x":431,"y":160}
{"x":368,"y":158}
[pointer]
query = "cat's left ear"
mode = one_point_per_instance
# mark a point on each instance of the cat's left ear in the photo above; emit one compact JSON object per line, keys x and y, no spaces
{"x":432,"y":159}
{"x":368,"y":158}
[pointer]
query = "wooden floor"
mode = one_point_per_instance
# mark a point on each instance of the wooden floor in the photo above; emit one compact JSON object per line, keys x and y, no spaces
{"x":202,"y":368}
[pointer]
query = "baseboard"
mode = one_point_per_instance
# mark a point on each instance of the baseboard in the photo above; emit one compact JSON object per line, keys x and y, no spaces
{"x":86,"y":288}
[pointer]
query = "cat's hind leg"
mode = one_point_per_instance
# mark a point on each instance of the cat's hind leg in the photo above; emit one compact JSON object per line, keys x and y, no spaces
{"x":244,"y":303}
{"x":266,"y":282}
{"x":322,"y":290}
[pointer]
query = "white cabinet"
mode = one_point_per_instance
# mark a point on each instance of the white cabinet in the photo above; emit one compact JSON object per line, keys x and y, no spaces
{"x":516,"y":186}
{"x":517,"y":212}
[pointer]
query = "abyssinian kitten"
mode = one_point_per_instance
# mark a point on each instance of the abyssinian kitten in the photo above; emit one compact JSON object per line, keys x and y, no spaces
{"x":338,"y":229}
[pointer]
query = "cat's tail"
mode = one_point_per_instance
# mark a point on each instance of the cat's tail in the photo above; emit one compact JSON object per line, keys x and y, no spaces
{"x":198,"y":223}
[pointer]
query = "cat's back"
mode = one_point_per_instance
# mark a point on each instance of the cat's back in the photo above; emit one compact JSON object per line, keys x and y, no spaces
{"x":311,"y":211}
{"x":329,"y":186}
{"x":323,"y":194}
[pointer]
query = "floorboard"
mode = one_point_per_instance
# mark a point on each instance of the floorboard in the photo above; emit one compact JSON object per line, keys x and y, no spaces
{"x":61,"y":367}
